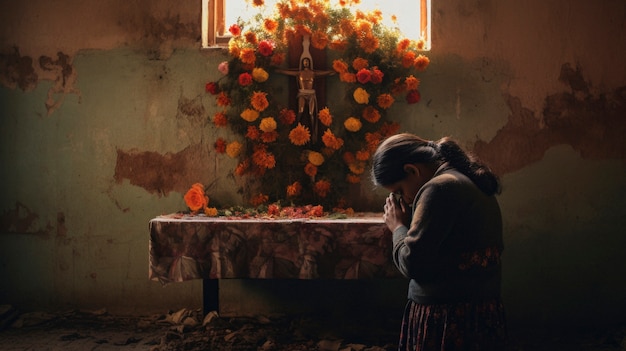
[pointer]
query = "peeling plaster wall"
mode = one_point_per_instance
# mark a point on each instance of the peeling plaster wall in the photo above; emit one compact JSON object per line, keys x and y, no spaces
{"x":103,"y":125}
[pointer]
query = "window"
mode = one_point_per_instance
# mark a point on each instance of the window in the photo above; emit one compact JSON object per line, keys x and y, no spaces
{"x":413,"y":17}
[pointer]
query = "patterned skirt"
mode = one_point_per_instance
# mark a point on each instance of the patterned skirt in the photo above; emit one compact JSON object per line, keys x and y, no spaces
{"x":453,"y":327}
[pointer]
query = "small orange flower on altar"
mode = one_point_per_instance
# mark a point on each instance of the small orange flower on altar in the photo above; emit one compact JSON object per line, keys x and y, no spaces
{"x":353,"y":178}
{"x":411,"y":82}
{"x":277,"y":59}
{"x":259,"y":101}
{"x":408,"y":59}
{"x":310,"y":169}
{"x":357,"y":167}
{"x":259,"y":199}
{"x":362,"y":155}
{"x":385,"y":101}
{"x":233,"y":149}
{"x":220,"y":146}
{"x":286,"y":116}
{"x":210,"y":211}
{"x":235,"y":30}
{"x":331,"y":141}
{"x":316,"y":158}
{"x":242,"y":168}
{"x":195,"y":198}
{"x":258,"y":3}
{"x":325,"y":117}
{"x":270,"y":25}
{"x":253,"y":133}
{"x":403,"y":45}
{"x":347,"y":77}
{"x":273,"y":210}
{"x":371,"y":114}
{"x":263,"y":159}
{"x":220,"y":119}
{"x":250,"y":115}
{"x":251,"y":38}
{"x":352,"y":124}
{"x":369,"y":43}
{"x":348,"y":157}
{"x":300,"y":135}
{"x":269,"y":137}
{"x":319,"y":40}
{"x":339,"y":66}
{"x":268,"y":124}
{"x":260,"y":75}
{"x":420,"y":44}
{"x":223,"y":99}
{"x":361,"y":96}
{"x":421,"y":62}
{"x":359,"y":63}
{"x":322,"y":187}
{"x":247,"y":56}
{"x":294,"y":189}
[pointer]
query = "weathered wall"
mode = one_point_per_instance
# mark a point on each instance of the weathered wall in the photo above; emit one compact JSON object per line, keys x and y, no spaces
{"x":103,"y":125}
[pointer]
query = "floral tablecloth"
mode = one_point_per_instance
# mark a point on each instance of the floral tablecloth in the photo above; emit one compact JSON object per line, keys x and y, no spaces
{"x":184,"y":247}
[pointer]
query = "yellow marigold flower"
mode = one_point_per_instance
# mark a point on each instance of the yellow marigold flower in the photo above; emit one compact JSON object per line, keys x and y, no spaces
{"x":339,"y":66}
{"x":347,"y":77}
{"x":260,"y":75}
{"x":362,"y":155}
{"x":359,"y":63}
{"x":316,"y":158}
{"x":331,"y":141}
{"x":352,"y":124}
{"x":210,"y":211}
{"x":259,"y":101}
{"x":322,"y":187}
{"x":361,"y":96}
{"x":299,"y":135}
{"x":385,"y":101}
{"x":357,"y":167}
{"x":411,"y":83}
{"x":247,"y":56}
{"x":250,"y":115}
{"x":233,"y":149}
{"x":233,"y":48}
{"x":325,"y":117}
{"x":371,"y":114}
{"x":268,"y":124}
{"x":421,"y":62}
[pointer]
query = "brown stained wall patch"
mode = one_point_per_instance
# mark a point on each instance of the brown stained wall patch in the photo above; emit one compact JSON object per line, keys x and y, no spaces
{"x":17,"y":71}
{"x":21,"y":220}
{"x":593,"y":125}
{"x":62,"y":73}
{"x":162,"y":173}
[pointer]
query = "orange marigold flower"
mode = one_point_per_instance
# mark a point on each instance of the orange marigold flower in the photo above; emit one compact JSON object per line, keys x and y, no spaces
{"x":403,"y":44}
{"x":347,"y":77}
{"x":269,"y":137}
{"x":211,"y":211}
{"x":372,"y":140}
{"x":316,"y":211}
{"x":338,"y":45}
{"x":362,"y":155}
{"x":220,"y":120}
{"x":247,"y":56}
{"x":359,"y":63}
{"x":310,"y":169}
{"x":389,"y":129}
{"x":411,"y":82}
{"x":220,"y":146}
{"x":268,"y":124}
{"x":357,"y":167}
{"x":352,"y":124}
{"x":321,"y":188}
{"x":316,"y":158}
{"x":421,"y":44}
{"x":294,"y":189}
{"x":273,"y":210}
{"x":385,"y":101}
{"x":348,"y":157}
{"x":277,"y":59}
{"x":286,"y":116}
{"x":353,"y":178}
{"x":361,"y":96}
{"x":325,"y":117}
{"x":270,"y":25}
{"x":371,"y":114}
{"x":259,"y":101}
{"x":242,"y":168}
{"x":377,"y":76}
{"x":249,"y":115}
{"x":263,"y":159}
{"x":339,"y":66}
{"x":331,"y":141}
{"x":195,"y":198}
{"x":259,"y":199}
{"x":233,"y":48}
{"x":319,"y":40}
{"x":223,"y":99}
{"x":253,"y":133}
{"x":347,"y":28}
{"x":235,"y":30}
{"x":408,"y":59}
{"x":369,"y":43}
{"x":251,"y":38}
{"x":421,"y":62}
{"x":233,"y":149}
{"x":299,"y":135}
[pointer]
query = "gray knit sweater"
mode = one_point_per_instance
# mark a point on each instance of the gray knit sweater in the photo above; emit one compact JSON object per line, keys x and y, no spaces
{"x":451,"y":252}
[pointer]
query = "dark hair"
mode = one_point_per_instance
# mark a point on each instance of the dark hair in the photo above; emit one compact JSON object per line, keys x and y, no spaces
{"x":401,"y":149}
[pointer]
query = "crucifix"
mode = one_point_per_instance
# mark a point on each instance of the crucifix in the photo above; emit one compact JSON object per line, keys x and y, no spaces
{"x":307,"y":98}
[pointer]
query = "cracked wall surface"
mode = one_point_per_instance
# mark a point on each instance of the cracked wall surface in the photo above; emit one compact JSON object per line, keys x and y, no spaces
{"x":104,"y":124}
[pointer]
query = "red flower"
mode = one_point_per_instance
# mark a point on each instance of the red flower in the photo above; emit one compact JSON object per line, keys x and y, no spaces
{"x":363,"y":76}
{"x":266,"y":48}
{"x":234,"y":30}
{"x":220,"y":146}
{"x":377,"y":76}
{"x":245,"y":79}
{"x":212,"y":88}
{"x":413,"y":97}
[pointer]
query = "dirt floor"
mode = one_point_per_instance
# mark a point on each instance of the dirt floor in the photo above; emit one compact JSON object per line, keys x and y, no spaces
{"x":190,"y":330}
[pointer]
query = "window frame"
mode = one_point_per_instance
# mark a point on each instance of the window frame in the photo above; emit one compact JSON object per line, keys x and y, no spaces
{"x":215,"y":33}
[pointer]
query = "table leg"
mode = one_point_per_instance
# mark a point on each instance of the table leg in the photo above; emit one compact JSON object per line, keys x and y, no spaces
{"x":210,"y":295}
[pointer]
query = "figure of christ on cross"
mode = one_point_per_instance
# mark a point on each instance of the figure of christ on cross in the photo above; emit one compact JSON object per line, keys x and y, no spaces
{"x":305,"y":77}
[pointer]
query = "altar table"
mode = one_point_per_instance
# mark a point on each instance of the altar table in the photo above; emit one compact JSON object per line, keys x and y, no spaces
{"x":185,"y":247}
